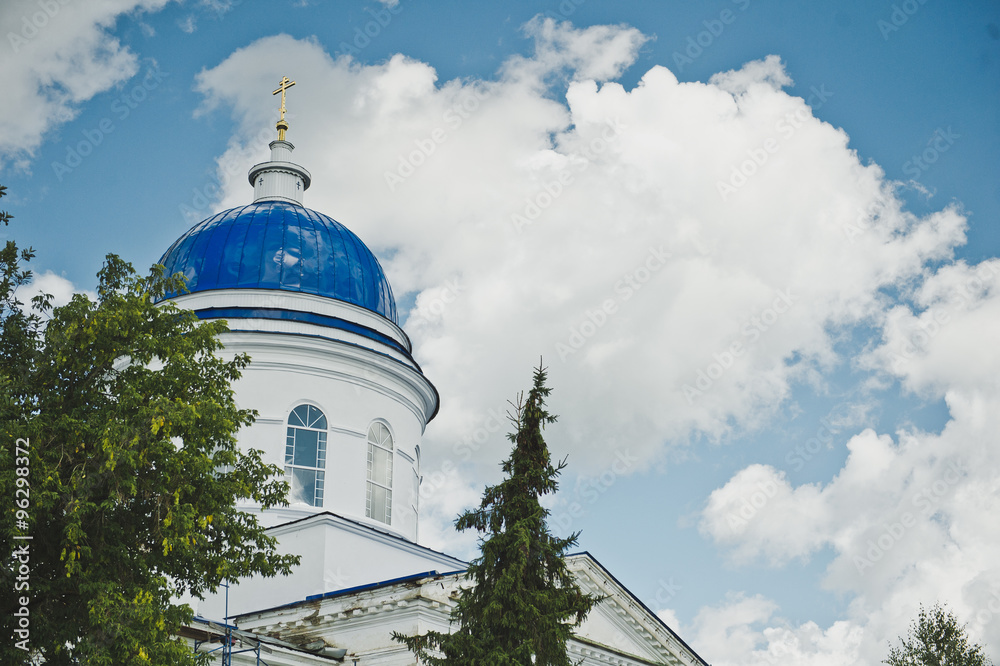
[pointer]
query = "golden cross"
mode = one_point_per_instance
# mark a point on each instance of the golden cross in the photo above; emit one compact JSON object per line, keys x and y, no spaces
{"x":283,"y":85}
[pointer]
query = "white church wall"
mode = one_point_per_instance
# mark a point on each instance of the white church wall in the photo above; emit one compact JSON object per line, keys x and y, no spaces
{"x":282,"y":375}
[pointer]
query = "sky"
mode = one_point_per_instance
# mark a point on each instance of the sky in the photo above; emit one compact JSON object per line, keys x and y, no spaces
{"x":755,"y":244}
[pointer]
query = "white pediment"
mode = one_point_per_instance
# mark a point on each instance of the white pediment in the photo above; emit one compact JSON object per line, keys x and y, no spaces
{"x":620,"y":630}
{"x":621,"y":625}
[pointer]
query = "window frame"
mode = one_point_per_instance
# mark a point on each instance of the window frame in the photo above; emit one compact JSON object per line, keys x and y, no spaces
{"x":370,"y":482}
{"x":310,"y":423}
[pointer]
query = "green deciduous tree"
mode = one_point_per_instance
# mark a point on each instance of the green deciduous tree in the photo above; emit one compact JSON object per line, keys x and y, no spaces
{"x":523,"y":603}
{"x":126,"y":413}
{"x":936,"y":639}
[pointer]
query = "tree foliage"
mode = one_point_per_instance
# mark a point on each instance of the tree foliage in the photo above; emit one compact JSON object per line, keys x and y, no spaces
{"x":936,"y":639}
{"x":524,"y":603}
{"x":126,"y":413}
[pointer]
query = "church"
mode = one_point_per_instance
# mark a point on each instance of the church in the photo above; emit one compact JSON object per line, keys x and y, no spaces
{"x":342,"y":407}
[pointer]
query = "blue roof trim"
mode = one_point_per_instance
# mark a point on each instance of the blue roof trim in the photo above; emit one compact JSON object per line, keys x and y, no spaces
{"x":305,"y":317}
{"x":372,"y":586}
{"x":360,"y":588}
{"x":283,"y":246}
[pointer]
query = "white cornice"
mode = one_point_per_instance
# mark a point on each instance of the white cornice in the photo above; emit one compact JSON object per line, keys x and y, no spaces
{"x":308,"y":329}
{"x":330,"y":359}
{"x":431,"y":599}
{"x":372,"y":533}
{"x":296,"y":301}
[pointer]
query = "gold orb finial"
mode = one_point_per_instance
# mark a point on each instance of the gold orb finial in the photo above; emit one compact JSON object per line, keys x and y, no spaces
{"x":281,"y":125}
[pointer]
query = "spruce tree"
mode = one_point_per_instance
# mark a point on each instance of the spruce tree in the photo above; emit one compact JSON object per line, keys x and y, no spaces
{"x":523,"y":603}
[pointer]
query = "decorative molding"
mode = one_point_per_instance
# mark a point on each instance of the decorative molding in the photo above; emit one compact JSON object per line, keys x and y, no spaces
{"x":427,"y":602}
{"x":319,"y":357}
{"x":290,"y":300}
{"x":348,"y":432}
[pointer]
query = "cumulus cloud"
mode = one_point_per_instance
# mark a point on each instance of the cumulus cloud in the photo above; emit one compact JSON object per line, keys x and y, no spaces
{"x":768,"y":72}
{"x":57,"y":56}
{"x":450,"y":494}
{"x":59,"y":288}
{"x":752,"y":513}
{"x":745,"y":631}
{"x":600,"y":52}
{"x":599,"y":219}
{"x":946,"y":339}
{"x":909,"y":518}
{"x":683,"y":255}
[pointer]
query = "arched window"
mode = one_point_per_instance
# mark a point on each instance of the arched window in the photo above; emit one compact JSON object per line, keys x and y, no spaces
{"x":305,"y":455}
{"x":379,"y":501}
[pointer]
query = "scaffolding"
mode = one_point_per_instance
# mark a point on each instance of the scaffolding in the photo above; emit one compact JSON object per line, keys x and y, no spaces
{"x":233,"y":641}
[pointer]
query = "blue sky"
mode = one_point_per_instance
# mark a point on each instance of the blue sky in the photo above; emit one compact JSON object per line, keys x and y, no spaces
{"x":855,"y":171}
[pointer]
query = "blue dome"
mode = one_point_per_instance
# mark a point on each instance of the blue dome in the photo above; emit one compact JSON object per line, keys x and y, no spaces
{"x":278,"y":245}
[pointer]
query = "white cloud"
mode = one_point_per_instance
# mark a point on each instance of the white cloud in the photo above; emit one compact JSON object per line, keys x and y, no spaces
{"x":600,"y":52}
{"x":947,"y":340}
{"x":768,"y":73}
{"x":57,"y":56}
{"x":908,"y":522}
{"x":57,"y":286}
{"x":444,"y":493}
{"x":745,"y":631}
{"x":220,"y":7}
{"x":682,"y":254}
{"x":669,"y":618}
{"x":909,"y":519}
{"x":752,"y":513}
{"x":769,"y":268}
